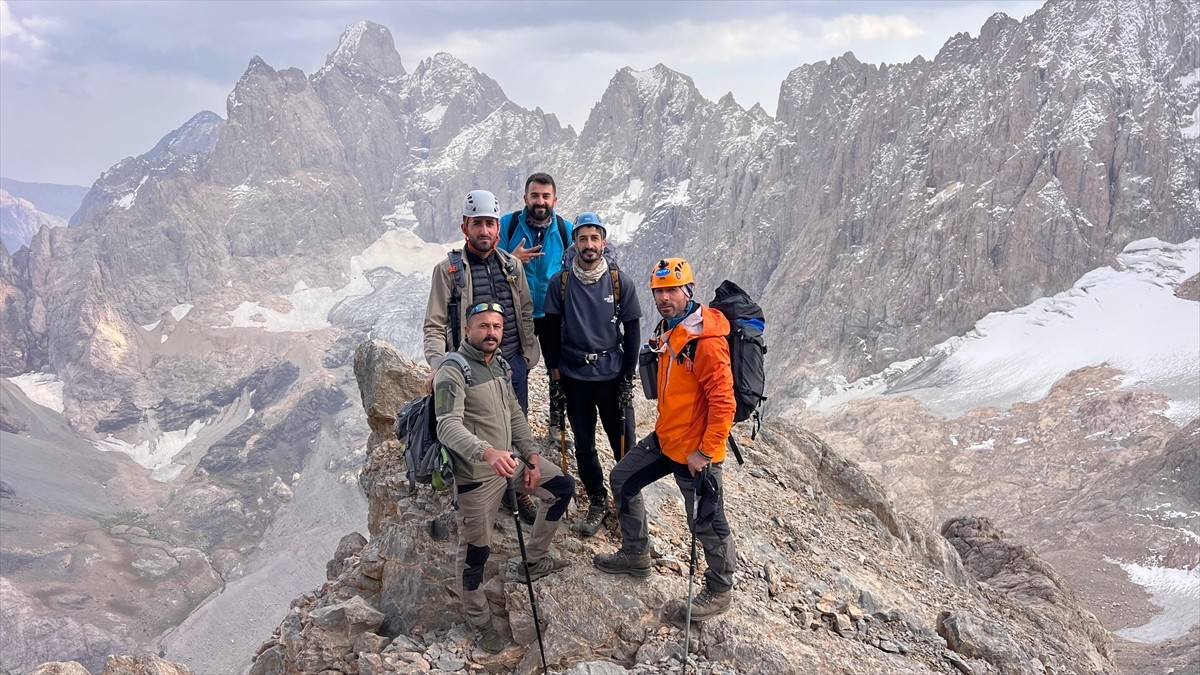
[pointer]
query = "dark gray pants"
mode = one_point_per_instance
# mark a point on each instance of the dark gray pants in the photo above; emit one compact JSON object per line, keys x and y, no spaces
{"x":645,"y":464}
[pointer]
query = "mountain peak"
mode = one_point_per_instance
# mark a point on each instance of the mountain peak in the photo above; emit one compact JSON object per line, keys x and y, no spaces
{"x":367,"y":48}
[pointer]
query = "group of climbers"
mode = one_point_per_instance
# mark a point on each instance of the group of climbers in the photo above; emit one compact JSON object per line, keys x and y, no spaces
{"x":533,"y":274}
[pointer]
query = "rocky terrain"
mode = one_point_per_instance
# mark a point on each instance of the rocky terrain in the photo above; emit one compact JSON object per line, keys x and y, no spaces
{"x":831,"y":579}
{"x":196,"y":321}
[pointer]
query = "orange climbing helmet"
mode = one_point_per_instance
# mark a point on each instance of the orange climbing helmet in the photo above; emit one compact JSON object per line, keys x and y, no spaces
{"x":671,"y":272}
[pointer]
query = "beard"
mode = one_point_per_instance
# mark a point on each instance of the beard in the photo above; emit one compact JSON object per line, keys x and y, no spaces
{"x":589,"y":255}
{"x":539,"y":213}
{"x":483,"y":245}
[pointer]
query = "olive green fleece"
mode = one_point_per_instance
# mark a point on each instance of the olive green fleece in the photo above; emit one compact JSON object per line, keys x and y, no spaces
{"x":470,"y":419}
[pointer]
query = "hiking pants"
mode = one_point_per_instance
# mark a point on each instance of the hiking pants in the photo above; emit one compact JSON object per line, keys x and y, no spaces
{"x":520,"y":381}
{"x":477,"y":505}
{"x":645,"y":464}
{"x":584,"y":399}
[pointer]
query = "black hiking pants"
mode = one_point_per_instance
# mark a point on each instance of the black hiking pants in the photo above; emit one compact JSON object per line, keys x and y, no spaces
{"x":586,"y":398}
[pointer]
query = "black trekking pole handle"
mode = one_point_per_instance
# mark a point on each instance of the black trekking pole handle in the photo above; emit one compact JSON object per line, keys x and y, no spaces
{"x":537,"y":624}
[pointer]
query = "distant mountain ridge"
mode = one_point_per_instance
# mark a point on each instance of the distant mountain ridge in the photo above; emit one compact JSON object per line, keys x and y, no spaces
{"x":55,"y":199}
{"x":27,"y":207}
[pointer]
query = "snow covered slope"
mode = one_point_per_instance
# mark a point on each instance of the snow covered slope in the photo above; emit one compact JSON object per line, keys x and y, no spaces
{"x":1127,"y":317}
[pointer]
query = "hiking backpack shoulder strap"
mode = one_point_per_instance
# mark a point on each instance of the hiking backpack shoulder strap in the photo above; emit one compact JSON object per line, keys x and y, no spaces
{"x":512,"y":227}
{"x":460,"y":361}
{"x":562,"y":230}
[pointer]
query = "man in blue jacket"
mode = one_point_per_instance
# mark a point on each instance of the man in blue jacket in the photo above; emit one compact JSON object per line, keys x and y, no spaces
{"x":538,"y":237}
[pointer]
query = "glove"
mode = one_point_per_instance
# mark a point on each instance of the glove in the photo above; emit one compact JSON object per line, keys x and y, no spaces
{"x":626,"y":398}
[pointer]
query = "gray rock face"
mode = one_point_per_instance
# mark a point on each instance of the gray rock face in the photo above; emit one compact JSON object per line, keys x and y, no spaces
{"x":1016,"y":571}
{"x":883,"y":209}
{"x":29,"y":637}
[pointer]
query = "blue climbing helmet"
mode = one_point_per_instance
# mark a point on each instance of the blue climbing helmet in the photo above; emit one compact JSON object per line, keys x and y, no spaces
{"x":590,"y":219}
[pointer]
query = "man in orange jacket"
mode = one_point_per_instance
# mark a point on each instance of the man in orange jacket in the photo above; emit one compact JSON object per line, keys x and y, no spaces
{"x":695,"y":413}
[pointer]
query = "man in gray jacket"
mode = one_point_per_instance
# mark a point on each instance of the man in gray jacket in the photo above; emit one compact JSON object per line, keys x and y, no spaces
{"x":481,"y":270}
{"x":480,"y":422}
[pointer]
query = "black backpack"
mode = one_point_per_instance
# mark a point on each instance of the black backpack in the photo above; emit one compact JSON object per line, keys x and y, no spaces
{"x":426,"y":460}
{"x":747,"y":350}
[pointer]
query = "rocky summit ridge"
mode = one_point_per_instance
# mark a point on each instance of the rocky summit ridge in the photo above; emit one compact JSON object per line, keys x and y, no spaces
{"x":201,"y":314}
{"x":831,"y":578}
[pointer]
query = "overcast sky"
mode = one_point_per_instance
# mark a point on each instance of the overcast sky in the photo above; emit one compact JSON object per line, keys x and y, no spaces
{"x":86,"y":84}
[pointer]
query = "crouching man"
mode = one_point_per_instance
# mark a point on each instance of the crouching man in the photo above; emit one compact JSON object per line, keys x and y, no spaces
{"x":480,"y":421}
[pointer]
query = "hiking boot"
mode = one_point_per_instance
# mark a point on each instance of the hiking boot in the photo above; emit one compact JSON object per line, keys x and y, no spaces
{"x":597,"y":513}
{"x":539,"y":569}
{"x":491,"y":640}
{"x":708,"y":604}
{"x":633,"y":564}
{"x":525,"y":507}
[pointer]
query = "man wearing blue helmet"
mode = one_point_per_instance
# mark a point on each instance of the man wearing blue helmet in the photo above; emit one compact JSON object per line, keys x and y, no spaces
{"x":591,"y":349}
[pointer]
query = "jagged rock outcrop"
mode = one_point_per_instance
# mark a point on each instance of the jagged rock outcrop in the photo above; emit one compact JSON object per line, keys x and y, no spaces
{"x":1016,"y":571}
{"x":145,"y":664}
{"x":831,"y":579}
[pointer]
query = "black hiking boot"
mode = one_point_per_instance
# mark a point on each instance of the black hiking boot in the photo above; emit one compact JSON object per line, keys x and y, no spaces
{"x":708,"y":604}
{"x":525,"y":507}
{"x":633,"y":564}
{"x":597,"y":513}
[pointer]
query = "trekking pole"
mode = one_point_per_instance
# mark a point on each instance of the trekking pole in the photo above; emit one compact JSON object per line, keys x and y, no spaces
{"x":697,"y":484}
{"x":562,"y":445}
{"x":537,"y":625}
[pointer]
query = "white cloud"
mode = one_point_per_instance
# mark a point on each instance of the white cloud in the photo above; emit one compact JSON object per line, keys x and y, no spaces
{"x":853,"y":28}
{"x":67,"y":125}
{"x":17,"y":37}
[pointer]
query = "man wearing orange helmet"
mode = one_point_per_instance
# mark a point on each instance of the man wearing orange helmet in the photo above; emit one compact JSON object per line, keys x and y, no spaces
{"x":696,"y":407}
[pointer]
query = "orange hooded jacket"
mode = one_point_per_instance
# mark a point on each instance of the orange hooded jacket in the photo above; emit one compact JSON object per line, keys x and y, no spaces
{"x":695,"y":396}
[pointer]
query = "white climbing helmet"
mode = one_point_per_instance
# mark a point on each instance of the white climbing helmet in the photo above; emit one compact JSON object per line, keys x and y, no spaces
{"x":481,"y":203}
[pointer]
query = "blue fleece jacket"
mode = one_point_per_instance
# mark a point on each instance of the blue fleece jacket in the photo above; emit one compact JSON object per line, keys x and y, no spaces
{"x":539,"y":270}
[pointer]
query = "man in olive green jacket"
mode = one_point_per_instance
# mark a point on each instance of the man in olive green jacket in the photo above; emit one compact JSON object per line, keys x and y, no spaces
{"x":481,"y":423}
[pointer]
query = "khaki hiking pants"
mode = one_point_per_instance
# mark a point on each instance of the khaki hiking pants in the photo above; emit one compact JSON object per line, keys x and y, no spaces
{"x":477,"y":512}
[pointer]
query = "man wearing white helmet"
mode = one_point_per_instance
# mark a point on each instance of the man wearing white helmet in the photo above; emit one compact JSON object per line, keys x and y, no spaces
{"x":481,"y":272}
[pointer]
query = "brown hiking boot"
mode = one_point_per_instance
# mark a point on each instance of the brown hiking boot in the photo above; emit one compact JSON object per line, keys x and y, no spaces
{"x":633,"y":564}
{"x":596,"y":514}
{"x":491,"y":640}
{"x":525,"y":507}
{"x":708,"y":604}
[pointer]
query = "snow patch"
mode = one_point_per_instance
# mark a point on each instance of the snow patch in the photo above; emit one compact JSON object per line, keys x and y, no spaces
{"x":1176,"y":591}
{"x":44,"y":389}
{"x":127,"y":200}
{"x":180,"y":311}
{"x":1128,"y":318}
{"x":149,"y":327}
{"x":156,"y":453}
{"x":399,"y":250}
{"x":402,"y":217}
{"x":435,"y":114}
